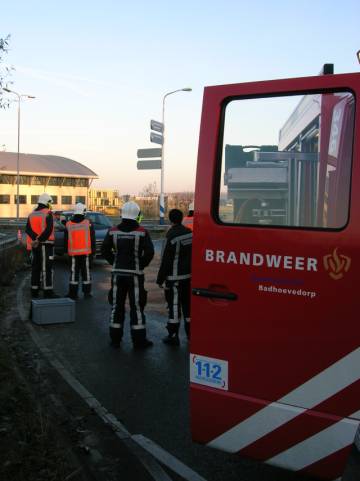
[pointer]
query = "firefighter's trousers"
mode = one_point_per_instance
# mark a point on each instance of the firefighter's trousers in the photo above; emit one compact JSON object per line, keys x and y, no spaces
{"x":177,"y":296}
{"x":124,"y":286}
{"x":79,"y":265}
{"x":42,"y":269}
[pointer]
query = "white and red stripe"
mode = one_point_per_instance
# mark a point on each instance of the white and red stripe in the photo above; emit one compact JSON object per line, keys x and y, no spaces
{"x":299,"y":431}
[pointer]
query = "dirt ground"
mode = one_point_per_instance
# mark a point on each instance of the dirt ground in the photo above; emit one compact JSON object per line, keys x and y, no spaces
{"x":32,"y":448}
{"x":47,"y":433}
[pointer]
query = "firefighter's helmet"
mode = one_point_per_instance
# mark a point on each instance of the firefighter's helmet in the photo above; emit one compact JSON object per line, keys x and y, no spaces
{"x":79,"y":209}
{"x":130,"y":210}
{"x":45,"y":199}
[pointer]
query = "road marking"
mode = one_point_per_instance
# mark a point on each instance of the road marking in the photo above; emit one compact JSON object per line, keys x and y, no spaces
{"x":167,"y":459}
{"x":143,"y":448}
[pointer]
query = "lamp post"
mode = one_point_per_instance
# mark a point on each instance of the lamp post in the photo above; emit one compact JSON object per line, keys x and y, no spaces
{"x":162,"y":203}
{"x":19,"y":97}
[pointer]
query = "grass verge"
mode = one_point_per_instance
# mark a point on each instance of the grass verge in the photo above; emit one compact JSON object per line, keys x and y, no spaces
{"x":30,"y":448}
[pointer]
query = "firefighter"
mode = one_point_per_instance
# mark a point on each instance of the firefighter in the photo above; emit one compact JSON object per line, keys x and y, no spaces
{"x":80,"y":244}
{"x":175,"y":271}
{"x":40,"y":241}
{"x":129,"y":249}
{"x":189,"y":219}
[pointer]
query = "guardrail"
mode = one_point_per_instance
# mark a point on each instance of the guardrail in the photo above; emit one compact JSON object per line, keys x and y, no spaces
{"x":7,"y":241}
{"x":6,"y":221}
{"x":12,"y":257}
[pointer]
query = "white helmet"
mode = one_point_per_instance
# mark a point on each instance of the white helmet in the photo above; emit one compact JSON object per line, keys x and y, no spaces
{"x":79,"y":209}
{"x":45,"y":199}
{"x":191,"y":206}
{"x":130,"y":210}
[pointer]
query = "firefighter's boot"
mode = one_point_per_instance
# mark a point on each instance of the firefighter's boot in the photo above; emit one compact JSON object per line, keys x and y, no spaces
{"x":143,"y":344}
{"x":139,"y":339}
{"x":172,"y":340}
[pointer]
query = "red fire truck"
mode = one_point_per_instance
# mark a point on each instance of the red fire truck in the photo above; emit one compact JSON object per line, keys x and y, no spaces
{"x":275,"y":348}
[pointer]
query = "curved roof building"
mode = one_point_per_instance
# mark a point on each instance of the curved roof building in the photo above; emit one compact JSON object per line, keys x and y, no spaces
{"x":66,"y":180}
{"x":47,"y":165}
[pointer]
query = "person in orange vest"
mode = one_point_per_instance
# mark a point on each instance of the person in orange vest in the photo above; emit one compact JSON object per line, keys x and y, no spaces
{"x":80,"y":244}
{"x":188,"y":221}
{"x":40,"y":241}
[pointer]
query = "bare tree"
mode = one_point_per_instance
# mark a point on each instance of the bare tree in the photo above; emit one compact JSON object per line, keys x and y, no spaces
{"x":180,"y":200}
{"x":5,"y":70}
{"x":149,"y":190}
{"x":148,"y":200}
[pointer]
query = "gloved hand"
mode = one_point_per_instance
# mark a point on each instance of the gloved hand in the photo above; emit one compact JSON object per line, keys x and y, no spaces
{"x":35,"y":244}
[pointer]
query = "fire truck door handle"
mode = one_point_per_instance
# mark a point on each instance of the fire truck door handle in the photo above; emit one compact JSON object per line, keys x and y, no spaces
{"x":229,"y":296}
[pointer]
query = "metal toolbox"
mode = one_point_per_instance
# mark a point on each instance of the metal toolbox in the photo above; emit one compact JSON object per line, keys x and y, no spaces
{"x":53,"y":311}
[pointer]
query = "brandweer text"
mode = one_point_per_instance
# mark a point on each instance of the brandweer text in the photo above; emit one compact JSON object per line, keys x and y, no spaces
{"x":259,"y":260}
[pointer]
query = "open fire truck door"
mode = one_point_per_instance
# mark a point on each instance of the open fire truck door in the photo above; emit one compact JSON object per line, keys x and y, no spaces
{"x":275,"y":346}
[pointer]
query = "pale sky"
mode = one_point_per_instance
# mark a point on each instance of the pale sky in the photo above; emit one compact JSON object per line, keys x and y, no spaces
{"x":99,"y":71}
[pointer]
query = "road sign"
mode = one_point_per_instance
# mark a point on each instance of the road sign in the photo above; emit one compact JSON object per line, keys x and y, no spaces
{"x":157,"y":126}
{"x":146,"y":153}
{"x":149,"y":164}
{"x":156,"y":138}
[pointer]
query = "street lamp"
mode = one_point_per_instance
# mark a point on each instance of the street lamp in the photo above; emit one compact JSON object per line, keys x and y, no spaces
{"x":19,"y":97}
{"x":162,"y":203}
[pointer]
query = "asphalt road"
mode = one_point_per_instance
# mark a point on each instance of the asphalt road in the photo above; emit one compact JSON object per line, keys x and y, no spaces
{"x":146,"y":390}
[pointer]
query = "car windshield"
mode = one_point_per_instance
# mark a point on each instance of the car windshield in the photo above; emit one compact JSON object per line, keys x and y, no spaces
{"x":99,"y":221}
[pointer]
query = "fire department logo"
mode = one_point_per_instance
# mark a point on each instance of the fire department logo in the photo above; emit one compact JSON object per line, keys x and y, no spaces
{"x":336,"y":264}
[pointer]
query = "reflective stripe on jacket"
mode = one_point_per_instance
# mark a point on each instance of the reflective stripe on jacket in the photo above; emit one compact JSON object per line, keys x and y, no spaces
{"x":176,"y":256}
{"x":182,"y":245}
{"x":127,"y":243}
{"x":79,"y":239}
{"x":188,"y":222}
{"x":37,"y":220}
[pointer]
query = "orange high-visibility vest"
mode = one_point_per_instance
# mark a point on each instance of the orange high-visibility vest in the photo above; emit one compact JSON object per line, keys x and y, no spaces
{"x":188,"y":222}
{"x":79,"y":240}
{"x":37,"y":220}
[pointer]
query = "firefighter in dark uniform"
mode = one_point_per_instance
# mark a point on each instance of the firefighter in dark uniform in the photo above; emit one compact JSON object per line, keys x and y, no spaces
{"x":40,"y":241}
{"x":129,"y":249}
{"x":175,"y":271}
{"x":80,"y":244}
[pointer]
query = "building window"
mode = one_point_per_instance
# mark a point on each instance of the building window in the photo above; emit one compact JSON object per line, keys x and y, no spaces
{"x":22,"y":199}
{"x":7,"y":179}
{"x":80,"y":198}
{"x":69,"y":182}
{"x":38,"y":180}
{"x":5,"y":199}
{"x":54,"y":198}
{"x":55,"y":181}
{"x":66,"y":199}
{"x":82,"y":182}
{"x":34,"y":199}
{"x":24,"y":179}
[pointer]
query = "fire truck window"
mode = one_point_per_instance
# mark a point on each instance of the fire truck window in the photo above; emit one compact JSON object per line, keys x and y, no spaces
{"x":286,"y":161}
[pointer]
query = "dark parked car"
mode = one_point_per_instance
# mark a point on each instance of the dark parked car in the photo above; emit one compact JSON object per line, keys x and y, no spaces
{"x":100,"y":222}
